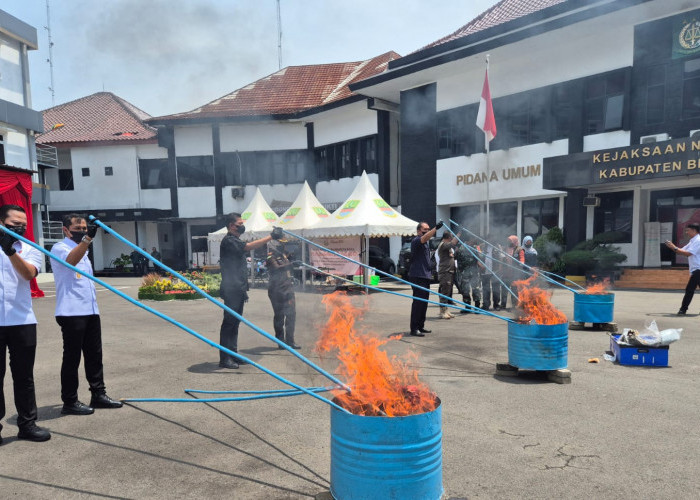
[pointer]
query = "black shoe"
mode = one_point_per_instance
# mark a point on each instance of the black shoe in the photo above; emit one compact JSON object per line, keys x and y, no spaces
{"x":104,"y":401}
{"x":230,"y":364}
{"x":465,"y":311}
{"x":423,"y":330}
{"x":417,"y":333}
{"x":294,"y":346}
{"x":681,"y":312}
{"x":32,"y":432}
{"x":77,"y":408}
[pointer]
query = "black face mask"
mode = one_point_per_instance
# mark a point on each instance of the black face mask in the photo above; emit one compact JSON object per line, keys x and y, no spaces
{"x":17,"y":229}
{"x":77,"y":236}
{"x":240,"y":229}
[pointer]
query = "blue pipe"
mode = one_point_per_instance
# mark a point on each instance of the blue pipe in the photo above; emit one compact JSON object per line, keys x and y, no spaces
{"x":545,"y":274}
{"x":215,"y":400}
{"x":219,"y":304}
{"x":170,"y":320}
{"x":476,"y":310}
{"x":314,"y":389}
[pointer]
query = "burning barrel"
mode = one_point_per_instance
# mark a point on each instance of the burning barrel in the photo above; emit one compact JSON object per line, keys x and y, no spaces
{"x":538,"y":347}
{"x":594,"y":308}
{"x":386,"y":457}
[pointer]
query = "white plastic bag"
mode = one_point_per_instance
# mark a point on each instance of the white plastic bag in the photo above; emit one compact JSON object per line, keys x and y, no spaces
{"x":652,"y":337}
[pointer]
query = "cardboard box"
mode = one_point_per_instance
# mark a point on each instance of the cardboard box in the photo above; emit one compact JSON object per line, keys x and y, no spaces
{"x":638,"y":355}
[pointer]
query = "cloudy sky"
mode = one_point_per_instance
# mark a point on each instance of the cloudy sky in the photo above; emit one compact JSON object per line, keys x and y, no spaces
{"x":167,"y":56}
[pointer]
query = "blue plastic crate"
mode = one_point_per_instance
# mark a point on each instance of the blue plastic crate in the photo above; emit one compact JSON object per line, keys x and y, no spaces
{"x":638,"y":355}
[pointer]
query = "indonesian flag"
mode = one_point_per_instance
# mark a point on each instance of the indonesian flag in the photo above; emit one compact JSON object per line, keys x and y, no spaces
{"x":485,"y":119}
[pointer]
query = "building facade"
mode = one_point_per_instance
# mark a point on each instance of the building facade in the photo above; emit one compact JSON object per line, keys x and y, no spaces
{"x":572,"y":82}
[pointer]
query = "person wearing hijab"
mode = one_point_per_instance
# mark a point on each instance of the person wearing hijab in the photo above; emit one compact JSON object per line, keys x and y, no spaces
{"x":511,"y":273}
{"x":530,"y":252}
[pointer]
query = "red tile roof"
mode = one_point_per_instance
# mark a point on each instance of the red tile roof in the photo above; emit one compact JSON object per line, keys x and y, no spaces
{"x":290,"y":90}
{"x":502,"y":12}
{"x":102,"y":117}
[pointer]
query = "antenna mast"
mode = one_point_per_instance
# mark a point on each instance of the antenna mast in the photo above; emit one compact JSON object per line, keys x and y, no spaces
{"x":279,"y":36}
{"x":50,"y":59}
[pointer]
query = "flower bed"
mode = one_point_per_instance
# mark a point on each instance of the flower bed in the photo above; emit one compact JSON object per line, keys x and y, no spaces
{"x":157,"y":287}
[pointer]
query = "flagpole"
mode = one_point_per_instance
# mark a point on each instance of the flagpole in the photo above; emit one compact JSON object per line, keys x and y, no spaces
{"x":488,"y":168}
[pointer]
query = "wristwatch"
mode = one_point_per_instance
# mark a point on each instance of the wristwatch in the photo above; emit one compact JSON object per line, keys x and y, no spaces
{"x":86,"y":239}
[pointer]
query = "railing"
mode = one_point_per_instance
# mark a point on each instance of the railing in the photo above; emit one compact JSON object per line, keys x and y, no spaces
{"x":46,"y":155}
{"x":53,"y":230}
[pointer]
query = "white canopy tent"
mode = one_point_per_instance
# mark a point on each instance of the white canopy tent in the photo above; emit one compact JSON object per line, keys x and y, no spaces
{"x":364,"y":214}
{"x":259,"y":219}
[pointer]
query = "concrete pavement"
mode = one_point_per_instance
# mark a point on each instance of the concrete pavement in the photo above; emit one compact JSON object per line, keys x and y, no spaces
{"x":614,"y":432}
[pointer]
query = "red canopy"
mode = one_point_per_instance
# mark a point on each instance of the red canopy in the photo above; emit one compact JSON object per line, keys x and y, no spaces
{"x":16,"y":189}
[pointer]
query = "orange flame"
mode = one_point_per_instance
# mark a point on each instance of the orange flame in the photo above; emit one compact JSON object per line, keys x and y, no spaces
{"x":534,"y":304}
{"x":380,"y":385}
{"x":599,"y":288}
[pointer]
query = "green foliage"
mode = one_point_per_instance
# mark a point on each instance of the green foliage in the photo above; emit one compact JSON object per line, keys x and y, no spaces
{"x":595,"y":255}
{"x":122,"y":261}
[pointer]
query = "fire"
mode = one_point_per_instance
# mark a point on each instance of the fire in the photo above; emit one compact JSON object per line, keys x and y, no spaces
{"x":535,"y":305}
{"x":599,"y":288}
{"x":380,"y":385}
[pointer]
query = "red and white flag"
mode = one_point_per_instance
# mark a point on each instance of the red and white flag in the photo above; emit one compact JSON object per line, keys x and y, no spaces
{"x":485,"y":119}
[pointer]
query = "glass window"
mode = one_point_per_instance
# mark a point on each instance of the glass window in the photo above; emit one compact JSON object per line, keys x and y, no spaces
{"x":346,"y":159}
{"x":195,"y":171}
{"x":154,"y":173}
{"x":2,"y":151}
{"x":86,"y":171}
{"x":468,"y":217}
{"x":504,"y":219}
{"x":65,"y":179}
{"x":539,"y":216}
{"x":656,"y":90}
{"x":562,"y":108}
{"x":109,"y":171}
{"x":614,"y":107}
{"x":691,"y":89}
{"x":231,"y":167}
{"x":615,"y":215}
{"x":605,"y":102}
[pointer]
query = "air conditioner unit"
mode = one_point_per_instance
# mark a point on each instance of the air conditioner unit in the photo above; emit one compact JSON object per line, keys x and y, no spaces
{"x":237,"y":192}
{"x":591,"y":201}
{"x":645,"y":139}
{"x":694,"y":134}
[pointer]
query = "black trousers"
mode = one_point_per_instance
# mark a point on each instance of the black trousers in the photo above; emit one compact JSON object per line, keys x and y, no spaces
{"x":20,"y":341}
{"x":285,"y":313}
{"x":229,"y":326}
{"x":693,"y":283}
{"x":490,"y":288}
{"x":81,"y":334}
{"x":419,"y":308}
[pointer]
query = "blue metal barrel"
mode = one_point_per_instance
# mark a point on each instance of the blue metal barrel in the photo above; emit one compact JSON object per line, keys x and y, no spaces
{"x":594,"y":308}
{"x":390,"y":458}
{"x":538,"y":347}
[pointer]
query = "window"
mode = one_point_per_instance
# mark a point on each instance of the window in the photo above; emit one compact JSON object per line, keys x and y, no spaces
{"x":539,"y":216}
{"x":65,"y":179}
{"x":452,"y":133}
{"x":346,"y":159}
{"x":2,"y":151}
{"x":86,"y":172}
{"x":604,"y":102}
{"x":691,"y":89}
{"x":504,"y":219}
{"x":562,"y":110}
{"x":656,"y":94}
{"x":195,"y":171}
{"x":109,"y":171}
{"x":154,"y":173}
{"x":615,"y":215}
{"x":467,"y":216}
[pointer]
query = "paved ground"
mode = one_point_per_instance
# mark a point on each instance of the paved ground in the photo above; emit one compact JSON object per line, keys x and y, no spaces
{"x":614,"y":432}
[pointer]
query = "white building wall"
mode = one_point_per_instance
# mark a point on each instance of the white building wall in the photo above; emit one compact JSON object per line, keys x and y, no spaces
{"x":344,"y":123}
{"x":193,"y":141}
{"x":120,"y":190}
{"x":11,"y":80}
{"x":262,"y":136}
{"x":196,"y":202}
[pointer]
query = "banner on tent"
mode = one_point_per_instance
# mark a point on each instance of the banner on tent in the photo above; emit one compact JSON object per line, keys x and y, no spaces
{"x":349,"y":247}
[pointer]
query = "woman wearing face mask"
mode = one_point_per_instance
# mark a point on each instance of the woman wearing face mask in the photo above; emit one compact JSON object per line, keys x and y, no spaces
{"x":530,"y":252}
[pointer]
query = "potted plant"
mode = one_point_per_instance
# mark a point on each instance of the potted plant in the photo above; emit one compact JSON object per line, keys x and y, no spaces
{"x":597,"y":258}
{"x":121,"y":262}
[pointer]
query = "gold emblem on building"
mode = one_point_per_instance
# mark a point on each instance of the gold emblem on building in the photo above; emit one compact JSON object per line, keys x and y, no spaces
{"x":689,"y":36}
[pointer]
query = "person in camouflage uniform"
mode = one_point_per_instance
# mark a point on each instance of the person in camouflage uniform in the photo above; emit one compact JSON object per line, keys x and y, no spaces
{"x":468,"y":278}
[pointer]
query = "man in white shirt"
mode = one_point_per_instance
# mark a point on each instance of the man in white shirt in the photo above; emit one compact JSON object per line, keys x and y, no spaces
{"x":19,"y":263}
{"x":79,"y":318}
{"x":692,"y":251}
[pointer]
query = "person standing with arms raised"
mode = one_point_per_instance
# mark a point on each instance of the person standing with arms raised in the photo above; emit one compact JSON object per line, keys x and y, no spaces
{"x":420,"y":274}
{"x":692,"y":251}
{"x":234,"y":283}
{"x":19,"y":263}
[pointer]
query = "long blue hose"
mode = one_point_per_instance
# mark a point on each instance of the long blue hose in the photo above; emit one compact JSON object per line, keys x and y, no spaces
{"x":220,"y":304}
{"x":369,"y":287}
{"x":260,"y":395}
{"x":545,"y":274}
{"x":474,"y":309}
{"x":170,"y":320}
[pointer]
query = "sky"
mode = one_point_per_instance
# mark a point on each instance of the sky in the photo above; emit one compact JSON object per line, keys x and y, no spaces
{"x":169,"y":56}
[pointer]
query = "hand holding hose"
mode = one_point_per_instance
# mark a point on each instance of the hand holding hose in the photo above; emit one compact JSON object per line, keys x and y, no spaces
{"x":6,"y":242}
